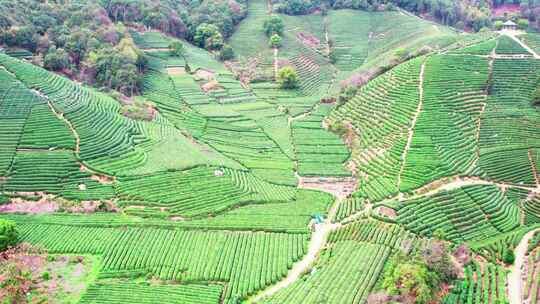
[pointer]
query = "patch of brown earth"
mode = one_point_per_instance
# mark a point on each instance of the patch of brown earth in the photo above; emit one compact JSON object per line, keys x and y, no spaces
{"x":19,"y":205}
{"x":339,"y":187}
{"x":176,"y":71}
{"x":386,"y":212}
{"x":211,"y":86}
{"x":39,"y":277}
{"x":91,"y":207}
{"x":204,"y":74}
{"x":308,"y":40}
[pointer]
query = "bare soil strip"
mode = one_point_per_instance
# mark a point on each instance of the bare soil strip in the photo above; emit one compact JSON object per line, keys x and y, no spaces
{"x":515,"y":276}
{"x":316,"y":244}
{"x":413,"y":123}
{"x":533,"y":165}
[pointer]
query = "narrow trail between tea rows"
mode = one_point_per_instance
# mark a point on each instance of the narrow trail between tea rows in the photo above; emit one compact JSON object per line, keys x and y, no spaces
{"x":515,"y":276}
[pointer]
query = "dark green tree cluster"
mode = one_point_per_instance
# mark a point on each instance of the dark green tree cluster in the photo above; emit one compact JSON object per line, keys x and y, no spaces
{"x":417,"y":278}
{"x":288,"y":78}
{"x":180,"y":18}
{"x":76,"y":38}
{"x":529,"y":10}
{"x":273,"y":28}
{"x":8,"y":234}
{"x":89,"y":40}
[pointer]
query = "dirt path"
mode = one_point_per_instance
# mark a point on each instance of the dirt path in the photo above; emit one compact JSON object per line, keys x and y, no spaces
{"x":276,"y":65}
{"x":447,"y":184}
{"x":65,"y":120}
{"x":340,"y":188}
{"x":413,"y":123}
{"x":515,"y":276}
{"x":316,"y":244}
{"x":513,"y":35}
{"x":534,"y":171}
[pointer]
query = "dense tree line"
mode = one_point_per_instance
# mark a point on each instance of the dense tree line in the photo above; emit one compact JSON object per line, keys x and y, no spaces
{"x":473,"y":14}
{"x":90,"y":41}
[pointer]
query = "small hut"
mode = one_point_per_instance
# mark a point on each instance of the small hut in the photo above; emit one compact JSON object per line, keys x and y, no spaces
{"x":510,"y":25}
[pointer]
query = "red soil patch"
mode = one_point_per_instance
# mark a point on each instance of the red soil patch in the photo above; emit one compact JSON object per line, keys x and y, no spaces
{"x":387,"y":212}
{"x":18,"y":205}
{"x":499,"y":11}
{"x":308,"y":40}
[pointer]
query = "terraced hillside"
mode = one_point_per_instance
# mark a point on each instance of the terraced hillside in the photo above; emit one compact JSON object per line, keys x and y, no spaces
{"x":232,"y":191}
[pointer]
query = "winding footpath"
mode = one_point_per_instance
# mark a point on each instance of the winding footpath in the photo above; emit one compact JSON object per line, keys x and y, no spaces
{"x":515,"y":276}
{"x":525,"y":46}
{"x":316,"y":244}
{"x":413,"y":123}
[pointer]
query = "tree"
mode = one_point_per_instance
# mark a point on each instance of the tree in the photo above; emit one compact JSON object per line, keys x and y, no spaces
{"x":275,"y":41}
{"x":509,"y":257}
{"x":177,"y":49}
{"x":287,"y":78}
{"x":226,"y":53}
{"x":523,"y":24}
{"x":56,"y":59}
{"x":410,"y":278}
{"x":498,"y":25}
{"x":208,"y":36}
{"x":8,"y":234}
{"x":273,"y":25}
{"x":24,"y":37}
{"x":536,"y":97}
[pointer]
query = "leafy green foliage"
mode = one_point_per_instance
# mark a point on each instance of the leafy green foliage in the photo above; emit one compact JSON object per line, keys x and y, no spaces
{"x":509,"y":257}
{"x":208,"y":36}
{"x":410,"y":278}
{"x":177,"y":49}
{"x":56,"y":59}
{"x":8,"y":234}
{"x":288,"y":78}
{"x":275,"y":41}
{"x":523,"y":24}
{"x":273,"y":25}
{"x":226,"y":53}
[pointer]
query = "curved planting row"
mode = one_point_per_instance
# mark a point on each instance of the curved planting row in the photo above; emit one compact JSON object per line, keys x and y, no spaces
{"x":54,"y":172}
{"x":483,"y":283}
{"x":471,"y":213}
{"x":508,"y":46}
{"x":319,"y":152}
{"x":380,"y":116}
{"x":510,"y":124}
{"x":444,"y":139}
{"x":107,"y":139}
{"x":120,"y":292}
{"x":187,"y":193}
{"x":345,"y":273}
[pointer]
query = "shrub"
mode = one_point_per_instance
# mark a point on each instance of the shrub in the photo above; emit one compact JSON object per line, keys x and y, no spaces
{"x":275,"y":41}
{"x":288,"y":78}
{"x":498,"y":25}
{"x":177,"y":49}
{"x":208,"y":36}
{"x":273,"y":25}
{"x":509,"y":257}
{"x":56,"y":59}
{"x":226,"y":53}
{"x":523,"y":24}
{"x":8,"y":234}
{"x":536,"y":97}
{"x":410,"y":278}
{"x":338,"y":128}
{"x":46,"y":276}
